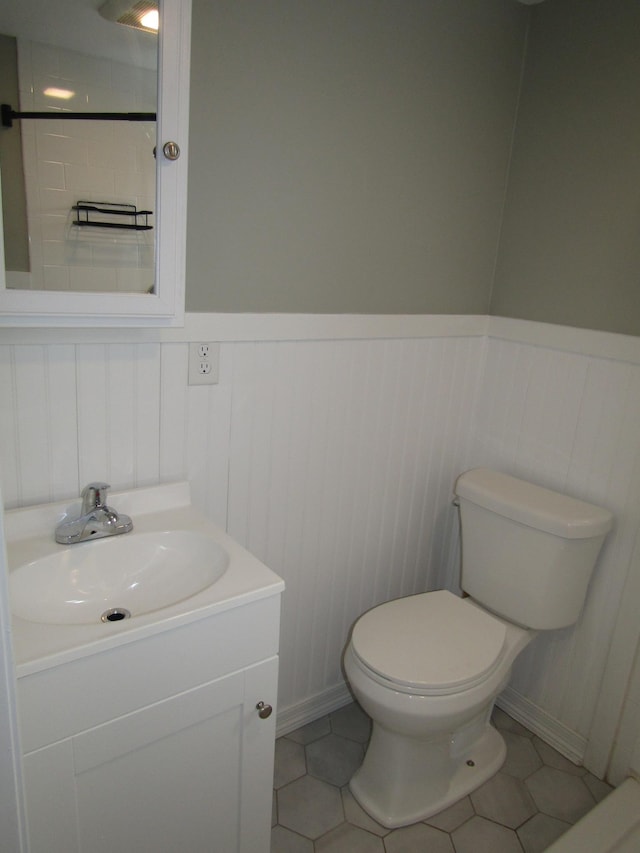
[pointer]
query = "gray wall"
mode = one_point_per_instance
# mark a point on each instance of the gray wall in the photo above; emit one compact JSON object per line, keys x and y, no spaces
{"x":570,"y":249}
{"x":352,"y":156}
{"x":349,"y":155}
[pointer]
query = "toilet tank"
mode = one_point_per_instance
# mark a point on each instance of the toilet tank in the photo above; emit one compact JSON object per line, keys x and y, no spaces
{"x":527,"y":552}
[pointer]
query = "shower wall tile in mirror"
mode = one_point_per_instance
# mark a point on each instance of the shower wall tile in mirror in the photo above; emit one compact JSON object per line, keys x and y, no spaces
{"x":95,"y":161}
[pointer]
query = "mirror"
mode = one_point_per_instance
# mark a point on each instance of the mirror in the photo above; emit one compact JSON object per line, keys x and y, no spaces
{"x":83,"y":239}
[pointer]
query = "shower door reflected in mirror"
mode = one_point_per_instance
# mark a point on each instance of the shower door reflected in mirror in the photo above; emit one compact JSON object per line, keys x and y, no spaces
{"x":78,"y":194}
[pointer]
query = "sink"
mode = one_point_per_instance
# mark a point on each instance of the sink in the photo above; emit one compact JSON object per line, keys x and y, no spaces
{"x":112,"y":579}
{"x":176,"y":568}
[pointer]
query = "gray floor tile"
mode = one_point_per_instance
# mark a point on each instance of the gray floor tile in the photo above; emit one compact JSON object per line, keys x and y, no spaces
{"x":310,"y":732}
{"x":285,"y":841}
{"x":351,"y":722}
{"x":289,"y":763}
{"x":504,"y":799}
{"x":334,"y":759}
{"x":552,"y":758}
{"x":536,"y":796}
{"x":355,"y":814}
{"x":504,"y":722}
{"x":522,"y":758}
{"x":560,"y":794}
{"x":349,"y":839}
{"x":310,"y":807}
{"x":480,"y":835}
{"x":453,"y":817}
{"x":541,"y":831}
{"x":418,"y":839}
{"x":599,"y":789}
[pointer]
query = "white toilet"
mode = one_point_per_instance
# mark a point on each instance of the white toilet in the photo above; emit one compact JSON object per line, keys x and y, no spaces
{"x":428,"y":668}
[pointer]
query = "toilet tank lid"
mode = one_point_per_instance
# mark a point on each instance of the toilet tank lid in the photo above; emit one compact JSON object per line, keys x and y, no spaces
{"x":533,"y":505}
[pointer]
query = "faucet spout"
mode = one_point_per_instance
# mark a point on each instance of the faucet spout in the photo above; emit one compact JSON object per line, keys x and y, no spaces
{"x":94,"y":496}
{"x":96,"y":521}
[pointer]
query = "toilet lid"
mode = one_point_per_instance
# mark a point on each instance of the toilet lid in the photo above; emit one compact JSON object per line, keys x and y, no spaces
{"x":432,"y":642}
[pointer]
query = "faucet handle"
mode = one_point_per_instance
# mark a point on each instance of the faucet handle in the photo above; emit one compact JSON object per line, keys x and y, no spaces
{"x":94,"y":495}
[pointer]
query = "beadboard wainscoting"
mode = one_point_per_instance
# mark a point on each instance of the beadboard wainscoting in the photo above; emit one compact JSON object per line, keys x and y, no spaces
{"x":568,"y":418}
{"x":342,"y":460}
{"x":333,"y":460}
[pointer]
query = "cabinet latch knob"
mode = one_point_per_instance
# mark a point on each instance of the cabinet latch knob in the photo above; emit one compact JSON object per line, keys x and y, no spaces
{"x":171,"y":150}
{"x":263,"y":710}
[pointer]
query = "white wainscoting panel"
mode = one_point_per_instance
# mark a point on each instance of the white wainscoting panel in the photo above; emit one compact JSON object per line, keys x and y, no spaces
{"x":118,"y":404}
{"x":174,"y":427}
{"x":38,"y":423}
{"x":569,"y":422}
{"x":334,"y":462}
{"x":611,"y":726}
{"x":208,"y":437}
{"x":343,"y":457}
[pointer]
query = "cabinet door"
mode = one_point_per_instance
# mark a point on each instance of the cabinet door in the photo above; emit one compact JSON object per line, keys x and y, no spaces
{"x":192,"y":773}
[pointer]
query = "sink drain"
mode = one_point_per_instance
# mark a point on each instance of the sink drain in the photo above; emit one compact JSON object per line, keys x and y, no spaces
{"x":115,"y":614}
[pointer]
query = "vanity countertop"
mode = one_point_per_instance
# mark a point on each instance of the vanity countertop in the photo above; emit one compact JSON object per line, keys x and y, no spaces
{"x":157,"y":509}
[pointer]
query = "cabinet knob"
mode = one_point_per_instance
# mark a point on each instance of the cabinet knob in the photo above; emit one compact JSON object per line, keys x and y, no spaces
{"x":171,"y":150}
{"x":263,"y":710}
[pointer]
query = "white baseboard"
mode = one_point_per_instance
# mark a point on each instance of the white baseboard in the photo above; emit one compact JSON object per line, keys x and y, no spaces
{"x":556,"y":734}
{"x":560,"y":737}
{"x":292,"y":718}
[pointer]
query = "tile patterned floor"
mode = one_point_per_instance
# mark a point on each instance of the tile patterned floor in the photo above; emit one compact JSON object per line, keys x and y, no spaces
{"x":534,"y":798}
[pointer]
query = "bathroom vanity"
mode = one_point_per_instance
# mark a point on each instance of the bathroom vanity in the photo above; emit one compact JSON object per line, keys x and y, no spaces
{"x":155,"y":732}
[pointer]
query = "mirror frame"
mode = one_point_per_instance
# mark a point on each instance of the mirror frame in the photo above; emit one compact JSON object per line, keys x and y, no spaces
{"x":164,"y":307}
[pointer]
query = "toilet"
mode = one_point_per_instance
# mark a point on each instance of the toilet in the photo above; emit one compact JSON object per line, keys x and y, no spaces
{"x":428,"y":668}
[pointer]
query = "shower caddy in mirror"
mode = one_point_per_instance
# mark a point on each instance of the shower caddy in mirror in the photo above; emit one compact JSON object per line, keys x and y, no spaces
{"x":165,"y":305}
{"x":132,"y":218}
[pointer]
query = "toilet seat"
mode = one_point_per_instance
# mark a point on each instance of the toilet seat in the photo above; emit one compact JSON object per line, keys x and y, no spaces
{"x":433,"y":643}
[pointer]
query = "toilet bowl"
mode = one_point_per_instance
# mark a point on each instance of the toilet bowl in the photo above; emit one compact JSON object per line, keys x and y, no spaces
{"x":432,"y":742}
{"x":428,"y":668}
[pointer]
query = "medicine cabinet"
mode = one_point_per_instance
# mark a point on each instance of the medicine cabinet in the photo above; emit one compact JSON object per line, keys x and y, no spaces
{"x":89,"y":303}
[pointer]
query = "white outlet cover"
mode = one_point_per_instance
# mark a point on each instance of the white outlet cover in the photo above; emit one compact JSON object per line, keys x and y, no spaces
{"x":204,"y":361}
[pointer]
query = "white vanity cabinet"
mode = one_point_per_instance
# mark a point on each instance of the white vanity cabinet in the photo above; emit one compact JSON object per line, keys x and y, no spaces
{"x":157,"y":744}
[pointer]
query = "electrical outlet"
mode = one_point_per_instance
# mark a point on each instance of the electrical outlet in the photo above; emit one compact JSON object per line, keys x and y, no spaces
{"x":203,"y":363}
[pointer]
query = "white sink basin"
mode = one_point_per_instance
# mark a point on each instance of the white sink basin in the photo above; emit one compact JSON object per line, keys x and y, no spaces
{"x":114,"y":578}
{"x":175,"y":568}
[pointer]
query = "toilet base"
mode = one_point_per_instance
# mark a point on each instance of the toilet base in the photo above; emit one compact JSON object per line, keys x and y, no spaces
{"x":403,"y":780}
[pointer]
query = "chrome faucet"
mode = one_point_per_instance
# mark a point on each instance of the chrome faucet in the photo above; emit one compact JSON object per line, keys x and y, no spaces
{"x":96,"y":519}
